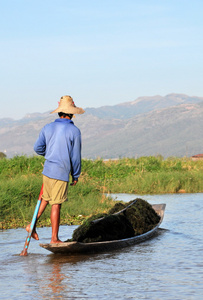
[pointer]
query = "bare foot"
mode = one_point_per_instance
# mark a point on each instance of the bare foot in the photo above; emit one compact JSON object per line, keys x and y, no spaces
{"x":56,"y":242}
{"x":34,"y":234}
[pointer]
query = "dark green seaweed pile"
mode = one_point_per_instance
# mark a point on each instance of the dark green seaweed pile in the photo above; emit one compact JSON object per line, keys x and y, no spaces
{"x":137,"y":219}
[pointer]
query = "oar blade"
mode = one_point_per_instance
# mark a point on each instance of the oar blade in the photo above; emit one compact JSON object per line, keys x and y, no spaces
{"x":32,"y":225}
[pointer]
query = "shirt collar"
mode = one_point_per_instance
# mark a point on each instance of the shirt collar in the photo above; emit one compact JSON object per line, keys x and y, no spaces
{"x":64,"y":120}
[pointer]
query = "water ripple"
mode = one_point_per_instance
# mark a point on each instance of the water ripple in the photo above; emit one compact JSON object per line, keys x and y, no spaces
{"x":169,"y":266}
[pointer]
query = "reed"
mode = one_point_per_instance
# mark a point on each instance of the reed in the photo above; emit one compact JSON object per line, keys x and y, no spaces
{"x":146,"y":175}
{"x":21,"y":179}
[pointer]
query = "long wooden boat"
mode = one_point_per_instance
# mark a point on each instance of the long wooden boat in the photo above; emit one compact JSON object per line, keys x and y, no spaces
{"x":96,"y":247}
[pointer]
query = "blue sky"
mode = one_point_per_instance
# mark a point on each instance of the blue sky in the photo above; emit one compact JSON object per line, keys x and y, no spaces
{"x":99,"y":52}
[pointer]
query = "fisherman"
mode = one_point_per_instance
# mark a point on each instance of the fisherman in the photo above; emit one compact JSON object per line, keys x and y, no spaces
{"x":60,"y":143}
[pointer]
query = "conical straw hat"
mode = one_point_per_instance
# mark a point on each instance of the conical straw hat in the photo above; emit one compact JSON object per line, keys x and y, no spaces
{"x":67,"y":106}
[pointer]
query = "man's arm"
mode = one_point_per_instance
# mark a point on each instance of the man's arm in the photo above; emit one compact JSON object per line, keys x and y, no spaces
{"x":76,"y":160}
{"x":40,"y":144}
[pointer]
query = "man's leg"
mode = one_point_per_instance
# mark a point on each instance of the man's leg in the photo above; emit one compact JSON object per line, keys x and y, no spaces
{"x":40,"y":212}
{"x":55,"y":221}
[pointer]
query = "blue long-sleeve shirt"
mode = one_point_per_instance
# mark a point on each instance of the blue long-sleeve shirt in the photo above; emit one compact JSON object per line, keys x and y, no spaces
{"x":60,"y":143}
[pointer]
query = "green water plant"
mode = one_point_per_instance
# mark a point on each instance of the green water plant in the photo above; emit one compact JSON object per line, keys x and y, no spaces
{"x":21,"y":179}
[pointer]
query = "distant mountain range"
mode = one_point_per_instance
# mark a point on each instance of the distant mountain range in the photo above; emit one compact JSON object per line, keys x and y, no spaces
{"x":169,"y":126}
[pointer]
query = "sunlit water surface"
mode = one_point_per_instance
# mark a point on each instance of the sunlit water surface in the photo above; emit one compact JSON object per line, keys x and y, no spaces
{"x":169,"y":266}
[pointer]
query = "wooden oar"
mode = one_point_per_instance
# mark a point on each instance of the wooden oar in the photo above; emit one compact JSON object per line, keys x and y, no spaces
{"x":32,"y":225}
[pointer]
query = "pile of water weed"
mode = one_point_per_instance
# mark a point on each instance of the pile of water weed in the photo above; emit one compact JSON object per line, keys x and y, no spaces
{"x":137,"y":219}
{"x":111,"y":227}
{"x":142,"y":216}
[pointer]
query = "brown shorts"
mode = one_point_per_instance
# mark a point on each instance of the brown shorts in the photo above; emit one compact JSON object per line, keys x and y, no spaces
{"x":54,"y":191}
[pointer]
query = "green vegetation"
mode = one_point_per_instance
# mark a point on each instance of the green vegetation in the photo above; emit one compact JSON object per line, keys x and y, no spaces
{"x":2,"y":155}
{"x":21,"y":179}
{"x":145,"y":175}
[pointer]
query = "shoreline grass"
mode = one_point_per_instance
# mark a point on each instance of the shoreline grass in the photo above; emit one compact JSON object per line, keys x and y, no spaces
{"x":21,"y":179}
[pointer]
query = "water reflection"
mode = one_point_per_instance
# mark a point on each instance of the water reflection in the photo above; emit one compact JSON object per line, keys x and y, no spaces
{"x":69,"y":259}
{"x":56,"y":279}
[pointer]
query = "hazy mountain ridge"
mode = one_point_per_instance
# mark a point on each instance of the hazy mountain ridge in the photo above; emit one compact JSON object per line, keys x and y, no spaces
{"x":174,"y":131}
{"x":115,"y":131}
{"x":141,"y":105}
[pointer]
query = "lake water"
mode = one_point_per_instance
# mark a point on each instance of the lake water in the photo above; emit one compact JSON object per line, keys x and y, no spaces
{"x":169,"y":266}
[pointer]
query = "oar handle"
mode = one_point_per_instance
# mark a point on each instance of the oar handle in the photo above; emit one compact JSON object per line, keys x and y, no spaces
{"x":32,"y":225}
{"x":34,"y":218}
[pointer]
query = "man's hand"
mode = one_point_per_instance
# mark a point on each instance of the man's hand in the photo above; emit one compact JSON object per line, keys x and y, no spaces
{"x":74,"y":182}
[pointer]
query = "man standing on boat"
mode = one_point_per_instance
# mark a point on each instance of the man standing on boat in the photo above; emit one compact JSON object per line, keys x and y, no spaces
{"x":60,"y":143}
